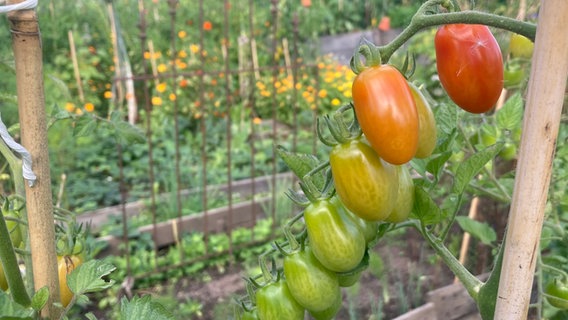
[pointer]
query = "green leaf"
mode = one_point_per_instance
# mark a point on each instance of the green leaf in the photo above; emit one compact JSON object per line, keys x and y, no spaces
{"x":436,"y":164}
{"x":88,"y":277}
{"x":10,"y":310}
{"x":90,"y":316}
{"x":301,"y":164}
{"x":85,"y":125}
{"x":143,"y":308}
{"x":128,"y":134}
{"x":479,"y":230}
{"x":40,"y":298}
{"x":472,"y":165}
{"x":447,"y":117}
{"x":510,"y":115}
{"x":425,"y":209}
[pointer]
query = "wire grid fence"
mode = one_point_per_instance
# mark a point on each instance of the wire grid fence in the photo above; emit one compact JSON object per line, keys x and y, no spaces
{"x":245,"y":109}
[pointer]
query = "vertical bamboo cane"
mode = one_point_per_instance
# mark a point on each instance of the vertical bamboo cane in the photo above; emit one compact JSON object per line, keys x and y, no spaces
{"x":540,"y":130}
{"x":26,"y":43}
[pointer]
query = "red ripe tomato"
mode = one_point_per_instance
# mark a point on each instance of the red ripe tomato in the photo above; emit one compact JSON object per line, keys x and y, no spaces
{"x":470,"y":65}
{"x":387,"y":113}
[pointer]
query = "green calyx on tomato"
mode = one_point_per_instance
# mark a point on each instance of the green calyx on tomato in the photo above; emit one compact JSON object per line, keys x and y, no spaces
{"x":387,"y":114}
{"x":470,"y":65}
{"x":366,"y":185}
{"x":334,"y":238}
{"x":557,"y":293}
{"x":311,"y":284}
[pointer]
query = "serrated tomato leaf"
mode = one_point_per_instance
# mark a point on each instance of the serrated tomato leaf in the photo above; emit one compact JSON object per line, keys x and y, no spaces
{"x":301,"y":164}
{"x":472,"y":165}
{"x":143,"y":308}
{"x":88,"y":277}
{"x":425,"y":209}
{"x":479,"y":230}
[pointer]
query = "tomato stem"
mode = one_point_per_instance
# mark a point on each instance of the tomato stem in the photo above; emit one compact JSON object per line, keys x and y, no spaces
{"x":470,"y":282}
{"x":9,"y":261}
{"x":426,"y":17}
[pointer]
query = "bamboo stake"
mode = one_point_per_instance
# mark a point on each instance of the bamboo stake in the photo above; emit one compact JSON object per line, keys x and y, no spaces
{"x":26,"y":43}
{"x":466,"y":235}
{"x":76,"y":66}
{"x":540,"y":130}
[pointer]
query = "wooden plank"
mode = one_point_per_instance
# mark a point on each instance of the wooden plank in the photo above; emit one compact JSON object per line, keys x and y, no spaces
{"x":424,"y":312}
{"x":240,"y":188}
{"x":452,"y":302}
{"x":215,"y":221}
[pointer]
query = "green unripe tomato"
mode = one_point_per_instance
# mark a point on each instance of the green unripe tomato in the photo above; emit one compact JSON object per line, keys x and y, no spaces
{"x":275,"y":301}
{"x":347,"y":280}
{"x":404,"y":198}
{"x":3,"y":280}
{"x":512,"y":78}
{"x":557,"y":294}
{"x":328,"y":313}
{"x":365,"y":184}
{"x":369,"y":229}
{"x":509,"y":151}
{"x":521,"y":46}
{"x":427,"y":132}
{"x":312,"y":285}
{"x":335,"y":240}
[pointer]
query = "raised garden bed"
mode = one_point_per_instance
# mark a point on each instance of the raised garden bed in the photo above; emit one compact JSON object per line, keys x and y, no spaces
{"x":215,"y":220}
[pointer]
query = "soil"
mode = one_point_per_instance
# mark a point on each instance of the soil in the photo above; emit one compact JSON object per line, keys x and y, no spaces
{"x":409,"y":269}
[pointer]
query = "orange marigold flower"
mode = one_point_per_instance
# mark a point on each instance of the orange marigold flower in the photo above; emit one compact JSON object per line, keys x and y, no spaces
{"x":322,"y":93}
{"x":162,"y":67}
{"x":70,"y":107}
{"x":161,"y":87}
{"x":156,"y":101}
{"x":108,"y":94}
{"x":183,"y":83}
{"x":207,"y":25}
{"x":182,"y":34}
{"x":147,"y":55}
{"x":89,"y":107}
{"x":257,"y":120}
{"x":78,"y":111}
{"x":172,"y":97}
{"x":182,"y":54}
{"x":194,"y":48}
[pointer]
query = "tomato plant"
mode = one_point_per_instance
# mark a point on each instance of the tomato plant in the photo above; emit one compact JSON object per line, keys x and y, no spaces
{"x":427,"y":132}
{"x":275,"y":301}
{"x":366,"y":185}
{"x":405,"y":196}
{"x":66,"y":264}
{"x":520,"y":46}
{"x":3,"y":280}
{"x":311,"y":284}
{"x":381,"y":95}
{"x":470,"y":65}
{"x":328,"y":313}
{"x":334,"y":238}
{"x":557,"y":294}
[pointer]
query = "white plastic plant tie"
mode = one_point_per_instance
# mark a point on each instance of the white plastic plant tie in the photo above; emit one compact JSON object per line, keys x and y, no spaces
{"x":28,"y":4}
{"x":28,"y":174}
